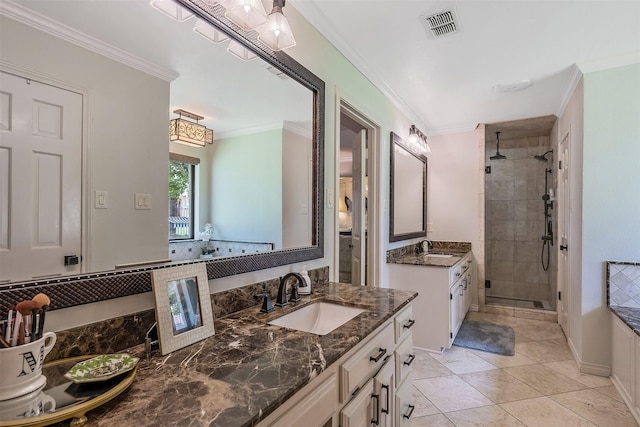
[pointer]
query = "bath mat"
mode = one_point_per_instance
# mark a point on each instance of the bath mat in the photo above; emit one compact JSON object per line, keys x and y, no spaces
{"x":487,"y":337}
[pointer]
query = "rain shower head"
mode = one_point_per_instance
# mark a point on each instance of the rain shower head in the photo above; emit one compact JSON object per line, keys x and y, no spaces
{"x":497,"y":156}
{"x":543,"y":158}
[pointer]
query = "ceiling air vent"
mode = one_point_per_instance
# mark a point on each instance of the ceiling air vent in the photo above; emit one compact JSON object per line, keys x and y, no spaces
{"x":440,"y":24}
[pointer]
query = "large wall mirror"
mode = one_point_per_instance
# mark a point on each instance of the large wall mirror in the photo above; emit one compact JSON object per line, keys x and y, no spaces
{"x":261,"y":181}
{"x":408,"y":201}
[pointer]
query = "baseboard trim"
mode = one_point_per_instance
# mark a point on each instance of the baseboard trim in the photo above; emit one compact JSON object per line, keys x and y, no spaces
{"x":625,"y":397}
{"x":428,"y":350}
{"x":586,"y":367}
{"x":474,"y":307}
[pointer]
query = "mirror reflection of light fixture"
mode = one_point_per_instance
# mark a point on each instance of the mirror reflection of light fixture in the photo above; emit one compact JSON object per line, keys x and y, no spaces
{"x":276,"y":33}
{"x":246,"y":14}
{"x":236,"y":49}
{"x":210,"y":33}
{"x":172,"y":9}
{"x":189,"y":133}
{"x":418,"y":141}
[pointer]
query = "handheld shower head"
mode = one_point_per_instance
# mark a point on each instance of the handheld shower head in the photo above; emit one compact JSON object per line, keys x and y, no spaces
{"x":543,"y":158}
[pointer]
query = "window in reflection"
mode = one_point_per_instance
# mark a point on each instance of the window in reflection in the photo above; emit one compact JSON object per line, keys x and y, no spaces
{"x":181,"y":197}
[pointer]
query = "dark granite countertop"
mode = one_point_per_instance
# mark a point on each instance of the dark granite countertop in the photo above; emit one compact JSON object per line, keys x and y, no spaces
{"x":430,"y":261}
{"x":629,"y":315}
{"x":247,"y":369}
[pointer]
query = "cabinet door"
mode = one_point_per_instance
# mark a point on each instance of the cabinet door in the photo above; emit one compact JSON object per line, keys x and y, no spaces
{"x":453,"y":312}
{"x":637,"y":372}
{"x":404,"y":404}
{"x":358,"y":412}
{"x":384,"y":391}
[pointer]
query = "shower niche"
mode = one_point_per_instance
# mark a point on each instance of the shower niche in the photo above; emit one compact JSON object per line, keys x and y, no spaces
{"x":520,"y":214}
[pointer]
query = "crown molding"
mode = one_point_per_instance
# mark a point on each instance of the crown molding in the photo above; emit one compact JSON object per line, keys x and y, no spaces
{"x":248,"y":131}
{"x":314,"y":15}
{"x":574,"y":79}
{"x":45,"y":24}
{"x":297,"y":129}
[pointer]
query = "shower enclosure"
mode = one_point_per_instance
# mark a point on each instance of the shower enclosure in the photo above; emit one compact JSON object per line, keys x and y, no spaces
{"x":520,"y":222}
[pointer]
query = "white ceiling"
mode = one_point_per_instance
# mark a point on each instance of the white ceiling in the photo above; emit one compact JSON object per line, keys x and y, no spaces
{"x":445,"y":85}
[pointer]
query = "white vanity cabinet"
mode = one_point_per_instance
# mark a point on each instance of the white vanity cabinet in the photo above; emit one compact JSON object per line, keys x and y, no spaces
{"x":360,"y":388}
{"x":625,"y":366}
{"x":444,"y":297}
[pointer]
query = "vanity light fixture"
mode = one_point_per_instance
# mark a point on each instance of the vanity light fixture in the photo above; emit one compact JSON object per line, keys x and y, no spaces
{"x":189,"y":133}
{"x":172,"y":9}
{"x":246,"y":14}
{"x":236,"y":49}
{"x":207,"y":31}
{"x":276,"y":33}
{"x":418,"y":141}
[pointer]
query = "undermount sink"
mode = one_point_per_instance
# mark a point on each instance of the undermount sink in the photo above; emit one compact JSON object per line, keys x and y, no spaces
{"x":439,"y":255}
{"x":318,"y":318}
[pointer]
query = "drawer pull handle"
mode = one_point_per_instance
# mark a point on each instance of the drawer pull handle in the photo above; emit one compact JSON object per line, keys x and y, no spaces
{"x":409,"y":324}
{"x":386,"y":387}
{"x":409,"y":361}
{"x":408,"y":414}
{"x":381,"y":352}
{"x":376,"y":420}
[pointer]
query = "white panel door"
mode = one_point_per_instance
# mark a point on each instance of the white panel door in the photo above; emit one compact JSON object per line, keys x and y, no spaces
{"x":564,"y":209}
{"x":40,"y":179}
{"x":358,"y":234}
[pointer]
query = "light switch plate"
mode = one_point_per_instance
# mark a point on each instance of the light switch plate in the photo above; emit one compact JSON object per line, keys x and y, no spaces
{"x":143,"y":201}
{"x":101,"y":201}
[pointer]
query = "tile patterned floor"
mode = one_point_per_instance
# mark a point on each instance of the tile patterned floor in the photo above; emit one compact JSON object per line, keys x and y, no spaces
{"x":539,"y":386}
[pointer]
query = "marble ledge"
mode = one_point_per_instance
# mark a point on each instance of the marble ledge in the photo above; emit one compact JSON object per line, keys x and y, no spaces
{"x":629,"y":315}
{"x":247,"y":369}
{"x":407,"y":254}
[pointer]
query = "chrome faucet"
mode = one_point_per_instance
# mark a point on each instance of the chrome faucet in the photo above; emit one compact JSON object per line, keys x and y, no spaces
{"x":281,"y":299}
{"x":429,"y":245}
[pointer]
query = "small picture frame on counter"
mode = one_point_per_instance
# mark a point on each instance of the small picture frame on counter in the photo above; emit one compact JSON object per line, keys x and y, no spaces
{"x":183,"y":306}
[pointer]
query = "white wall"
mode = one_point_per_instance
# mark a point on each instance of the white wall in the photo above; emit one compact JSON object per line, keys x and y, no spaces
{"x":453,"y":201}
{"x":610,"y":197}
{"x":246,"y":188}
{"x":127,"y":113}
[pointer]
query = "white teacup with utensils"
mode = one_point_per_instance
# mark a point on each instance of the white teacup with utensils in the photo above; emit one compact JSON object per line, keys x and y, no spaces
{"x":21,"y":367}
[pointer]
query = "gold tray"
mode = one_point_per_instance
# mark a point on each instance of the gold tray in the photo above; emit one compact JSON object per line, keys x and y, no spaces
{"x":75,"y":412}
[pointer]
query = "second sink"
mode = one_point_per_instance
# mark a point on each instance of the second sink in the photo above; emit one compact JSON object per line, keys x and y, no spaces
{"x":318,"y":318}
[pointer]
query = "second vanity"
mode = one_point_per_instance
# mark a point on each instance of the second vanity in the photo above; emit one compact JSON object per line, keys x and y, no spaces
{"x":250,"y":373}
{"x":444,"y":279}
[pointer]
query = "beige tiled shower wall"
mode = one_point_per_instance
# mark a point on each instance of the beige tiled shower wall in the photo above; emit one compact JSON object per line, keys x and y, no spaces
{"x":514,"y":219}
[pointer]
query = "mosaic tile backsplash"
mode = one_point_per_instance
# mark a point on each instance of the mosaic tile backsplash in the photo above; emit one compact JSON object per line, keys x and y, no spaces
{"x":115,"y":335}
{"x":624,"y":285}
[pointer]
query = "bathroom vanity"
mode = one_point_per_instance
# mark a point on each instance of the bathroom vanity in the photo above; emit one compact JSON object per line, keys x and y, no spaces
{"x":251,"y":373}
{"x":444,"y":282}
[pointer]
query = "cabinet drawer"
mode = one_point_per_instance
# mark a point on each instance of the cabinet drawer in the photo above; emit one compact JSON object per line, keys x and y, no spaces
{"x":404,"y":359}
{"x":365,"y":362}
{"x":404,"y":323}
{"x":404,"y":405}
{"x":315,"y":408}
{"x":458,"y":270}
